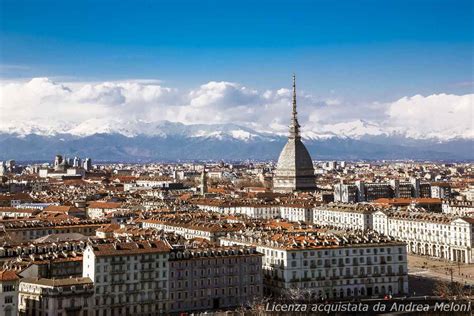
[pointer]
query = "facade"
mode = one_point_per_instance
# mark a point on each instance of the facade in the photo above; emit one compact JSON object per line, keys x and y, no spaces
{"x":214,"y":278}
{"x":345,"y":216}
{"x":436,"y":235}
{"x":29,"y":230}
{"x":346,"y":193}
{"x":441,"y":190}
{"x":101,"y":209}
{"x":461,"y":208}
{"x":295,"y":171}
{"x":361,"y":191}
{"x":192,"y":229}
{"x":131,"y":278}
{"x":70,"y":296}
{"x":329,"y":266}
{"x":297,"y":212}
{"x":8,"y":293}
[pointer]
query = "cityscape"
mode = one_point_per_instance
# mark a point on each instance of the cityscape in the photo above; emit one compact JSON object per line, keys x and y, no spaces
{"x":144,"y":197}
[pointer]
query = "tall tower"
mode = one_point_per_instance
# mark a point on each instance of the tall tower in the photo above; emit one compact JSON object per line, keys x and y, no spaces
{"x":203,"y":182}
{"x":295,"y":171}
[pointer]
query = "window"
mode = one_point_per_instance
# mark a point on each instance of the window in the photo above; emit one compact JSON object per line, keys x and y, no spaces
{"x":8,"y":299}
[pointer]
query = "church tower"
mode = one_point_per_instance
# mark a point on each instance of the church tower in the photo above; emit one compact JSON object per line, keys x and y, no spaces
{"x":295,"y":171}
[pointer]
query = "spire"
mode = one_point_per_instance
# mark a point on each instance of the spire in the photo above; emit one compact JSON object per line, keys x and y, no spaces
{"x":295,"y":126}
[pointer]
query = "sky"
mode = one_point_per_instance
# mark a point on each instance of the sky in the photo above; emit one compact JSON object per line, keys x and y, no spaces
{"x":353,"y":59}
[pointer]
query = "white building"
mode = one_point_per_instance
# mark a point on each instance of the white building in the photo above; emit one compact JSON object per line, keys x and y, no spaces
{"x":328,"y":265}
{"x":461,"y":208}
{"x":438,"y":235}
{"x":8,"y":293}
{"x":131,"y":278}
{"x":297,"y":212}
{"x":70,"y":296}
{"x":346,"y":216}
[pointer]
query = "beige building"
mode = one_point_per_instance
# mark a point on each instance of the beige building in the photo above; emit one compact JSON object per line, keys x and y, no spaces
{"x":60,"y":297}
{"x":214,"y":278}
{"x":8,"y":293}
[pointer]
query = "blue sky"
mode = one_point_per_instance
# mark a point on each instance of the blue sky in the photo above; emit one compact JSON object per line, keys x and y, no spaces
{"x":361,"y":50}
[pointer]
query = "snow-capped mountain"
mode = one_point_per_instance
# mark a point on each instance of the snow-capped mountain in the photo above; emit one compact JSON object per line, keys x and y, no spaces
{"x":138,"y":140}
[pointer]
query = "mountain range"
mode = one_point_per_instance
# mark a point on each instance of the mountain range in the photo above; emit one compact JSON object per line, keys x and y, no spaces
{"x":139,"y":141}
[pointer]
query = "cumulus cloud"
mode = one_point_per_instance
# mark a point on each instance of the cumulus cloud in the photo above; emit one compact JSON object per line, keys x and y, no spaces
{"x":435,"y":115}
{"x":42,"y":105}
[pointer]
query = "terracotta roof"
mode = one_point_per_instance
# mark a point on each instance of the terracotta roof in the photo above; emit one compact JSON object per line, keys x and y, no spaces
{"x":108,"y":205}
{"x":130,"y":248}
{"x":8,"y":275}
{"x":60,"y":209}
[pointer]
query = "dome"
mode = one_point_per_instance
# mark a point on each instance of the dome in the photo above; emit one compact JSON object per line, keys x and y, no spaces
{"x":294,"y":159}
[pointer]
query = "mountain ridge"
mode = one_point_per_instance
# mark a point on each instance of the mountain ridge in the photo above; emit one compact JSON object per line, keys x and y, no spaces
{"x":117,"y":147}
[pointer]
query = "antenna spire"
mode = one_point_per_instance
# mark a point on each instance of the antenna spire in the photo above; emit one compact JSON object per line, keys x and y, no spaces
{"x":295,"y":126}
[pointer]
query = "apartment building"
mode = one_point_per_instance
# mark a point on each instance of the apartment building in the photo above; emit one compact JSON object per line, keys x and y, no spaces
{"x":33,"y":229}
{"x":61,"y":297}
{"x":214,"y":278}
{"x":131,"y":278}
{"x":437,"y":235}
{"x":345,"y":216}
{"x":9,"y":293}
{"x":328,"y":265}
{"x":192,"y":227}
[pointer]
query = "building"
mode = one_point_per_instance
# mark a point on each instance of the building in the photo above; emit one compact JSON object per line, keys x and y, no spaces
{"x":8,"y":293}
{"x":192,"y":227}
{"x":441,"y":190}
{"x":296,"y":212}
{"x":432,"y":234}
{"x":17,"y":212}
{"x":461,"y":208}
{"x":429,"y":204}
{"x":131,"y":278}
{"x":295,"y":171}
{"x":328,"y":265}
{"x":362,"y":191}
{"x":102,"y":209}
{"x":203,"y":186}
{"x":214,"y":278}
{"x":65,"y":209}
{"x":24,"y":230}
{"x":70,"y":296}
{"x":345,"y":216}
{"x":346,"y":193}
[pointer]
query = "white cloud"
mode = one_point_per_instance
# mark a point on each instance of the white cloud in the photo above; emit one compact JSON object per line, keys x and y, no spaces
{"x":435,"y":115}
{"x":42,"y":105}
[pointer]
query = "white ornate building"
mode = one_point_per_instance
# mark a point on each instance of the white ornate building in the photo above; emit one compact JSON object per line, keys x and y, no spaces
{"x":438,"y":235}
{"x":328,"y":265}
{"x":346,"y":216}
